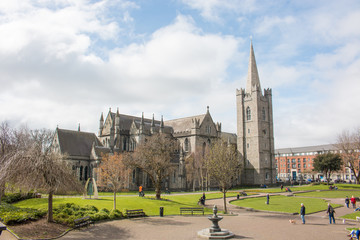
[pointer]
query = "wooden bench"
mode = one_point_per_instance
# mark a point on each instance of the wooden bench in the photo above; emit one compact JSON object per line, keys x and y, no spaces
{"x":84,"y":221}
{"x":2,"y":228}
{"x":135,"y":213}
{"x":192,"y":210}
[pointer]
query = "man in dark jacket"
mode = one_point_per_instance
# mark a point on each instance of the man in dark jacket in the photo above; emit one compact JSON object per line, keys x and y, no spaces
{"x":302,"y":213}
{"x":331,"y":212}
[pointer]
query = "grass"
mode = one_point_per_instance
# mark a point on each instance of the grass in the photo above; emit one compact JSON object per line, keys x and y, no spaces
{"x":352,"y":215}
{"x":171,"y":203}
{"x":310,"y":187}
{"x":331,"y":194}
{"x":284,"y":204}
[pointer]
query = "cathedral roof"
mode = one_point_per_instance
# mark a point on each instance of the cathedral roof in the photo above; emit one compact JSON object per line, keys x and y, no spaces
{"x":184,"y":124}
{"x":76,"y":143}
{"x":229,"y":137}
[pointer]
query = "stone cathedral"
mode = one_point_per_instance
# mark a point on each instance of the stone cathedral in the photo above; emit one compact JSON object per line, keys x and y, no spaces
{"x":120,"y":132}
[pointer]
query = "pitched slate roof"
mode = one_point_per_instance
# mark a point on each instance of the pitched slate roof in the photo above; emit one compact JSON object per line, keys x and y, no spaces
{"x":225,"y":136}
{"x":318,"y":148}
{"x":76,"y":143}
{"x":184,"y":124}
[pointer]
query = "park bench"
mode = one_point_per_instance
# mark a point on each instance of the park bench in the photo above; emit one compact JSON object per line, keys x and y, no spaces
{"x":135,"y":213}
{"x":191,"y":210}
{"x":84,"y":221}
{"x":2,"y":227}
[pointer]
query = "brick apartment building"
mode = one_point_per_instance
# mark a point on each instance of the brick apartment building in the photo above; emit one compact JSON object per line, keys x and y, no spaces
{"x":297,"y":164}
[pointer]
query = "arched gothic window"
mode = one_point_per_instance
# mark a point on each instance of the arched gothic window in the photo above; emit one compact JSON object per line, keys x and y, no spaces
{"x":248,"y":114}
{"x":203,"y":149}
{"x":186,"y":145}
{"x":81,"y":173}
{"x":263,"y":114}
{"x":86,"y":173}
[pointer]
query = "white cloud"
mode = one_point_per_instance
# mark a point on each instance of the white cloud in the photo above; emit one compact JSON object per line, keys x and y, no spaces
{"x":212,"y":10}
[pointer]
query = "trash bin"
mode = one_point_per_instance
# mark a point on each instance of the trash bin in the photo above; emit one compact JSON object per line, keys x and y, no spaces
{"x":161,"y":211}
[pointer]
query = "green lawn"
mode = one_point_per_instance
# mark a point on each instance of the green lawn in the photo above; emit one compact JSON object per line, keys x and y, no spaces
{"x":352,"y":215}
{"x":171,"y":204}
{"x":309,"y":187}
{"x":284,"y":204}
{"x":331,"y":194}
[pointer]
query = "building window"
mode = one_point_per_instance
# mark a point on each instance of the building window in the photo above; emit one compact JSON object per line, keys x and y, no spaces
{"x":263,"y":114}
{"x":293,"y":160}
{"x":203,"y":149}
{"x":86,"y":173}
{"x":304,"y":165}
{"x":248,"y":130}
{"x":174,"y":178}
{"x":247,"y":145}
{"x":298,"y":160}
{"x":186,"y":145}
{"x":304,"y":159}
{"x":124,"y":145}
{"x":294,"y":166}
{"x":248,"y":114}
{"x":266,"y":175}
{"x":81,"y":173}
{"x":299,"y":166}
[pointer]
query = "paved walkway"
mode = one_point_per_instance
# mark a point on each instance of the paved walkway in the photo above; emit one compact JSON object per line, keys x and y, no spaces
{"x":244,"y":224}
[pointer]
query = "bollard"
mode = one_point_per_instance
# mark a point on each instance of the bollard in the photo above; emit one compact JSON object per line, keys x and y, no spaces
{"x":161,"y":211}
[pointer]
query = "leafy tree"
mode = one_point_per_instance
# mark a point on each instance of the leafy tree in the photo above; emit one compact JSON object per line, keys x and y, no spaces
{"x":114,"y":171}
{"x":223,"y":166}
{"x":154,"y":156}
{"x":349,"y":145}
{"x":33,"y":165}
{"x":327,"y":163}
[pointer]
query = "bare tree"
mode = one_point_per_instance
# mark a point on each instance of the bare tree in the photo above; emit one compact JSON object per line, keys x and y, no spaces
{"x":6,"y":146}
{"x":349,"y":145}
{"x":154,"y":156}
{"x":195,"y":170}
{"x":114,"y":171}
{"x":33,"y":165}
{"x":223,"y":166}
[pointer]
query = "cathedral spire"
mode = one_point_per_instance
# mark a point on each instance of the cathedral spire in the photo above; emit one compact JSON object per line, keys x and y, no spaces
{"x":253,"y":81}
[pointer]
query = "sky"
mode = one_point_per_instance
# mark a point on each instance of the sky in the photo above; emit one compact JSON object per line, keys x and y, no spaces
{"x":64,"y":62}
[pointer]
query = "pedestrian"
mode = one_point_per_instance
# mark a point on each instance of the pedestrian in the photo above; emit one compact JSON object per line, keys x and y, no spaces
{"x":353,"y":201}
{"x":331,"y":212}
{"x":267,"y":199}
{"x":204,"y":198}
{"x":140,"y":191}
{"x":302,"y":213}
{"x":281,"y":187}
{"x":347,"y":201}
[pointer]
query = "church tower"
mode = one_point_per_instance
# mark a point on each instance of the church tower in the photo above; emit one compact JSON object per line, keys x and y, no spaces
{"x":255,"y":137}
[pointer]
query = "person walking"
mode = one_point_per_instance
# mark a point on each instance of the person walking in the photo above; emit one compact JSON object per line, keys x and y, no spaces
{"x":281,"y":187}
{"x":331,"y":212}
{"x":302,"y":213}
{"x":353,"y":201}
{"x":267,"y":199}
{"x":347,"y":201}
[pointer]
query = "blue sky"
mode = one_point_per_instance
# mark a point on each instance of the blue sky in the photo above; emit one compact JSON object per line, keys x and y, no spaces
{"x":63,"y":62}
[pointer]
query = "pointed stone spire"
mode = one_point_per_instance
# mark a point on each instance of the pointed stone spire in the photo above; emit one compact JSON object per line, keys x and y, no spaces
{"x":117,"y":118}
{"x":253,"y":81}
{"x":162,"y":122}
{"x":79,"y":128}
{"x":207,"y":109}
{"x":142,"y":119}
{"x":153,"y":121}
{"x":101,"y":118}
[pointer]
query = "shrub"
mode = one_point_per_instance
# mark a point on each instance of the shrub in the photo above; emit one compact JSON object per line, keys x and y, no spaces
{"x":105,"y":210}
{"x":115,"y":214}
{"x":16,"y":197}
{"x":12,"y":215}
